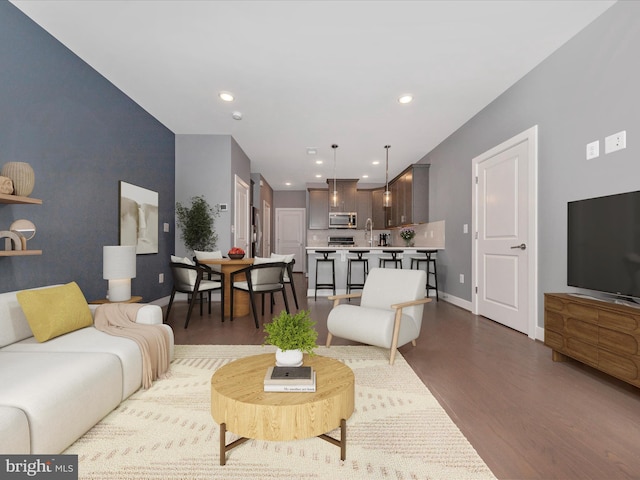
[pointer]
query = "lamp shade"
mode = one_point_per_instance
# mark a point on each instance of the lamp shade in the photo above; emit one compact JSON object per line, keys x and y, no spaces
{"x":119,"y":267}
{"x":118,"y":262}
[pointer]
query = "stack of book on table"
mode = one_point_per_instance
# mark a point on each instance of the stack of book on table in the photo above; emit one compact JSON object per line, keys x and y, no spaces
{"x":290,"y":379}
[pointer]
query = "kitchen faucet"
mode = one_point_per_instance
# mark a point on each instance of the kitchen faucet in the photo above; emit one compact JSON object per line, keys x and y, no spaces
{"x":368,"y":227}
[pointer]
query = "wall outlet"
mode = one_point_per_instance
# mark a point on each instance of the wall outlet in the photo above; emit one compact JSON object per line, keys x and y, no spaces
{"x":615,"y":142}
{"x":462,"y":278}
{"x":161,"y":278}
{"x":465,"y":228}
{"x":593,"y":150}
{"x":166,"y":227}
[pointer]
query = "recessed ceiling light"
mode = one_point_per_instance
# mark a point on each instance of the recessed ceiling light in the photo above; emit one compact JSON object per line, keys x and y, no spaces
{"x":375,"y":162}
{"x":288,"y":184}
{"x":365,"y":176}
{"x":312,"y":151}
{"x":226,"y":96}
{"x":318,"y":176}
{"x":318,"y":162}
{"x":405,"y":98}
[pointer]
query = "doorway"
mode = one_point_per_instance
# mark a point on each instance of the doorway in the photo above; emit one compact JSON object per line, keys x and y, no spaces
{"x":241,"y":237}
{"x":266,"y":231}
{"x":290,"y":235}
{"x":504,"y":252}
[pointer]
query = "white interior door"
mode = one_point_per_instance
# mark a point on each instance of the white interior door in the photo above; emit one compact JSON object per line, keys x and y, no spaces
{"x":266,"y":231}
{"x":505,"y":226}
{"x":290,"y":234}
{"x":241,"y":230}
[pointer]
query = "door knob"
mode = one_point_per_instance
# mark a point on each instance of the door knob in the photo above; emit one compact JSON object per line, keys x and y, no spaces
{"x":522,"y":246}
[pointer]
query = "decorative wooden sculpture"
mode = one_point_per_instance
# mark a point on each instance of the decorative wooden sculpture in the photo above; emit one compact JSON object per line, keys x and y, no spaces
{"x":13,"y":238}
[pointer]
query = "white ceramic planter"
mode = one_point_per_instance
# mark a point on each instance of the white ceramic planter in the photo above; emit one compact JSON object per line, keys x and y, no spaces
{"x":288,"y":358}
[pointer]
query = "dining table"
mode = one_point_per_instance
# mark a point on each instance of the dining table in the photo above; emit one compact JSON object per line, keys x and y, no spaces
{"x":241,"y":300}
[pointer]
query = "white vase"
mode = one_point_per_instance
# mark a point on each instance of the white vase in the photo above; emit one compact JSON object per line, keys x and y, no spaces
{"x":288,"y":358}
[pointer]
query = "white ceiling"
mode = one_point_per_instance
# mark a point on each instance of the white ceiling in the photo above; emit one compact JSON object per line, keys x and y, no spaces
{"x":313,"y":73}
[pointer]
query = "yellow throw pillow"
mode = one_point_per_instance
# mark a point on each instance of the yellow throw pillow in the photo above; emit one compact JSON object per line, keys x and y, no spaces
{"x":54,"y":311}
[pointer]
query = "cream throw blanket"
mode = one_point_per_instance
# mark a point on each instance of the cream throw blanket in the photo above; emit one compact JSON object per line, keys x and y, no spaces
{"x":119,"y":319}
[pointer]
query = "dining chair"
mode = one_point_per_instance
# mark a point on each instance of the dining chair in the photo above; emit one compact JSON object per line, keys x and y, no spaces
{"x":189,"y":278}
{"x":264,"y":276}
{"x":390,"y":311}
{"x":288,"y":273}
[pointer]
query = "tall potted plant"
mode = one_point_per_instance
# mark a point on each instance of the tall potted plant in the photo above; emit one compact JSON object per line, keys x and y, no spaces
{"x":197,"y":224}
{"x":293,"y":335}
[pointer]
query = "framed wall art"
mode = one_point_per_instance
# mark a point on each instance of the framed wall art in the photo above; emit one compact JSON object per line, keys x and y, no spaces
{"x":138,"y":218}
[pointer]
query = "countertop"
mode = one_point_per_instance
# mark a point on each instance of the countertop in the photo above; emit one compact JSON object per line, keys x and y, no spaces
{"x":374,"y":248}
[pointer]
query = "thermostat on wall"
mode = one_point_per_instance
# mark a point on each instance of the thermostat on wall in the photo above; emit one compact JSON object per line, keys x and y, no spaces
{"x":224,"y":207}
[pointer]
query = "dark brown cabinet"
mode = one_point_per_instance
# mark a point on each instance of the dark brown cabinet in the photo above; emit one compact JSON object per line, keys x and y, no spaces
{"x":409,"y":196}
{"x":347,"y":195}
{"x":363,"y":207}
{"x":378,"y":211}
{"x":318,"y":209}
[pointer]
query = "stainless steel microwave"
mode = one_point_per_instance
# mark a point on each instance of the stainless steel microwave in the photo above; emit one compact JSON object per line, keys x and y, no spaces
{"x":343,"y":220}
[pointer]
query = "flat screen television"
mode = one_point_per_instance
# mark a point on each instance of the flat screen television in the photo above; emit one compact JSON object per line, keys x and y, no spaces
{"x":603,"y":250}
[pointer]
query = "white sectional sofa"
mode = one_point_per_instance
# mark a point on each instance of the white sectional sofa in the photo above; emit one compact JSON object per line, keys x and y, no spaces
{"x":53,"y":392}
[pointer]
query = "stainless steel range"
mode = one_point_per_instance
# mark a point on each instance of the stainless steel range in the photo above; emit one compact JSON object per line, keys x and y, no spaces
{"x":341,"y":242}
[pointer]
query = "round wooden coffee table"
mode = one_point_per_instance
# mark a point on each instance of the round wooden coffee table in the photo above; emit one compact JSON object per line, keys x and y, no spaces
{"x":240,"y":404}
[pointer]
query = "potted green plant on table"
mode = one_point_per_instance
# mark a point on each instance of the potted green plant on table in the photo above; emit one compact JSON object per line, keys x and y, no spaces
{"x":196,"y":222}
{"x":293,"y":335}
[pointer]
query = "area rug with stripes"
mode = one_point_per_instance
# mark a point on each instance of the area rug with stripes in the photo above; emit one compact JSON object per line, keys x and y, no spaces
{"x":397,"y":431}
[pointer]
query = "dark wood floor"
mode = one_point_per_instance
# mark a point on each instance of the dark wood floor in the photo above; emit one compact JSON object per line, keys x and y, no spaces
{"x":527,"y":417}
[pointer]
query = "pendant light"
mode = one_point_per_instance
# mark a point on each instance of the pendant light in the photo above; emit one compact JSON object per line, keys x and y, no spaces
{"x":334,"y":196}
{"x":386,"y":199}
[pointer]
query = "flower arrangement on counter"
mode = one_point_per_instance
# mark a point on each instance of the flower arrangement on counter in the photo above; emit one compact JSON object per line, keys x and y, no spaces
{"x":407,"y":235}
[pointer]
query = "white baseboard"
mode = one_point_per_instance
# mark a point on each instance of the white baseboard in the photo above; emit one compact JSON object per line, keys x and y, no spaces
{"x":458,"y":302}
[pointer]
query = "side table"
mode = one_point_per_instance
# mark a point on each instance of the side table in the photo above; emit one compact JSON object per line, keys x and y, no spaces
{"x":101,"y":301}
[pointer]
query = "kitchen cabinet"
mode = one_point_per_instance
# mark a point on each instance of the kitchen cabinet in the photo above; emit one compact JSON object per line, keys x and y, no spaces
{"x":15,"y":200}
{"x":378,"y":211}
{"x":363,"y":207}
{"x":318,"y":209}
{"x":409,"y":196}
{"x":347,"y":195}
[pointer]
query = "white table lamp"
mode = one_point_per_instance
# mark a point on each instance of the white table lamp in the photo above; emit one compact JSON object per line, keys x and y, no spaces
{"x":119,"y":267}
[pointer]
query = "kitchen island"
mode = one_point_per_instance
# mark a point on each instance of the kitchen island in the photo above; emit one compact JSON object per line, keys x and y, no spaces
{"x":341,"y":256}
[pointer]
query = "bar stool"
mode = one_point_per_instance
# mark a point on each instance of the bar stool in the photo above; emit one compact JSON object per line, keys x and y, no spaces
{"x":397,"y":262}
{"x":359,"y":259}
{"x":319,"y":261}
{"x":430,"y":260}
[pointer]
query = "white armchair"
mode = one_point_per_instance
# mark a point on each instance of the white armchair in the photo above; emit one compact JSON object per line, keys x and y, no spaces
{"x":390,"y":310}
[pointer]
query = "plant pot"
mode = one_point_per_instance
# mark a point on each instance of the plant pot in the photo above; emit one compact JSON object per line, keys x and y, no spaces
{"x":288,"y":358}
{"x":22,"y":176}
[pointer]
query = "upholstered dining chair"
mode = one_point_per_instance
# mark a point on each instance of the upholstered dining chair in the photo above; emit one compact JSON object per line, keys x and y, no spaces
{"x":264,"y":276}
{"x":390,"y":311}
{"x":189,"y":278}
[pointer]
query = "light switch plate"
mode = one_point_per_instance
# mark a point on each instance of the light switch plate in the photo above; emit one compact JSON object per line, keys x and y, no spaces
{"x":615,"y":142}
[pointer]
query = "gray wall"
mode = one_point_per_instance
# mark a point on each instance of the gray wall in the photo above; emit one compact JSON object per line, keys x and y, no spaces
{"x":82,"y":136}
{"x":586,"y":90}
{"x":290,"y":199}
{"x":206,"y":165}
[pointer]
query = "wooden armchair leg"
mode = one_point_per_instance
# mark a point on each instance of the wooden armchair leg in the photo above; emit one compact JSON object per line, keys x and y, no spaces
{"x":329,"y":337}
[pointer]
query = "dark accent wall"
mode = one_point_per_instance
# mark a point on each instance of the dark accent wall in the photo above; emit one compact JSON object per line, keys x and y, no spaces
{"x":82,"y":136}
